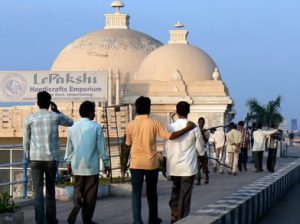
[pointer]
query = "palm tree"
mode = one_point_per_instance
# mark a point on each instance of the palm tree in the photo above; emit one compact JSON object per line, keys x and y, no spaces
{"x":268,"y":115}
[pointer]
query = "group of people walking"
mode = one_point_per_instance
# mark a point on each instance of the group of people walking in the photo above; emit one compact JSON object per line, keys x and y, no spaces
{"x":185,"y":153}
{"x":186,"y":156}
{"x":231,"y":148}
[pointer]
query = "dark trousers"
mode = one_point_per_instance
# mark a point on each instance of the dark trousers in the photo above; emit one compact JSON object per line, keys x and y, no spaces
{"x":84,"y":197}
{"x":137,"y":178}
{"x":181,"y":196}
{"x":243,"y":159}
{"x":271,"y":161}
{"x":258,"y":158}
{"x":38,"y":169}
{"x":202,"y":163}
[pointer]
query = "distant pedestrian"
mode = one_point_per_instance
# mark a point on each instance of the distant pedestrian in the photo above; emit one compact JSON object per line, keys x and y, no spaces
{"x":291,"y":138}
{"x":272,"y":145}
{"x":259,"y":146}
{"x":85,"y":146}
{"x":217,"y":138}
{"x":286,"y":139}
{"x":245,"y":144}
{"x":41,"y":145}
{"x":233,"y":144}
{"x":202,"y":160}
{"x":181,"y":155}
{"x":141,"y":135}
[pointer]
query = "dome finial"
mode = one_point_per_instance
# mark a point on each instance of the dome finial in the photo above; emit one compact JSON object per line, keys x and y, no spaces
{"x":178,"y":36}
{"x":117,"y":4}
{"x":179,"y":25}
{"x":117,"y":20}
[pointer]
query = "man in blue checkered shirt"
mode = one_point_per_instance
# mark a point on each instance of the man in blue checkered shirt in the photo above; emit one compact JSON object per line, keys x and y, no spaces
{"x":41,"y":145}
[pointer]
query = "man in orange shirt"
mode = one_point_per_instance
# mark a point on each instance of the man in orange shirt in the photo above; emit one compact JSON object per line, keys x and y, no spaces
{"x":141,"y":135}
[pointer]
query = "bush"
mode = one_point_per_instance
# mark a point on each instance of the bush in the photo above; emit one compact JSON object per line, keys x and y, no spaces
{"x":6,"y":203}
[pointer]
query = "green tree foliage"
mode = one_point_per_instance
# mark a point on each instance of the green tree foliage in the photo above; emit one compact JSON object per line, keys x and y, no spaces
{"x":268,"y":115}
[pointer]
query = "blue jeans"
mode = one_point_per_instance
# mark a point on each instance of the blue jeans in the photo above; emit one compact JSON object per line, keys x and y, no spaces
{"x":39,"y":168}
{"x":137,"y":179}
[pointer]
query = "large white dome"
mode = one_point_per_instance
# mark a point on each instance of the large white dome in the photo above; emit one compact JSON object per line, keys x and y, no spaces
{"x":106,"y":49}
{"x":117,"y":47}
{"x":171,"y":60}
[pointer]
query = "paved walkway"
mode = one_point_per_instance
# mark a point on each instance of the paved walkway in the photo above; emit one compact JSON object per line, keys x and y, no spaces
{"x":117,"y":210}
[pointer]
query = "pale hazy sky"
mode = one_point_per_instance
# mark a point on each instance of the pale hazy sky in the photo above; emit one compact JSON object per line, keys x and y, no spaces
{"x":255,"y":43}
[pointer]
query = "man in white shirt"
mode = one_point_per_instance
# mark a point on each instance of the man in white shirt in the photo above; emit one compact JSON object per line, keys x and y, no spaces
{"x":259,"y":145}
{"x":217,"y":138}
{"x":181,"y":155}
{"x":85,"y":145}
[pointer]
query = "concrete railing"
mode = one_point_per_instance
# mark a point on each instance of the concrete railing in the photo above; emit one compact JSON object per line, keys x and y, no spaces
{"x":18,"y":175}
{"x":250,"y":203}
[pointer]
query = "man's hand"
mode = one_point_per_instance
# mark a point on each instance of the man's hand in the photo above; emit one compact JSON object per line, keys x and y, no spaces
{"x":159,"y":156}
{"x":54,"y":107}
{"x":107,"y":171}
{"x":69,"y":170}
{"x":190,"y":125}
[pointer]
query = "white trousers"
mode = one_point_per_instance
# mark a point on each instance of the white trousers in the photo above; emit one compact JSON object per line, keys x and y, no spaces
{"x":220,"y":156}
{"x":233,"y":161}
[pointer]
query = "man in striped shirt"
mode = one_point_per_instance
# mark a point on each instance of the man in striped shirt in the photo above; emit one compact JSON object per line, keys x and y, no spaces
{"x":41,"y":145}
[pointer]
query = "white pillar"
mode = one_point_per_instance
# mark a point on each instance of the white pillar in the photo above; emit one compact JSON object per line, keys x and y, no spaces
{"x":118,"y":88}
{"x":109,"y":89}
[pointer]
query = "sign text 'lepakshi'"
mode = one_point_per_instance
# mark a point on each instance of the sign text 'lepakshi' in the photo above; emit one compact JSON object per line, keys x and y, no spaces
{"x":63,"y":86}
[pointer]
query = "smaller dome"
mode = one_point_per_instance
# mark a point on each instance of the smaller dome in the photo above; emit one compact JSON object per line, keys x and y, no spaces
{"x":192,"y":63}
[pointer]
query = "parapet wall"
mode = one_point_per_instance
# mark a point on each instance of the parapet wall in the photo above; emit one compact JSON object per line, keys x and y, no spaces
{"x":251,"y":203}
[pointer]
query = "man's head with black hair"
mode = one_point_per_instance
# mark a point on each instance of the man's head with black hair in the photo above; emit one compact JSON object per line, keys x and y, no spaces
{"x":183,"y":108}
{"x":87,"y":109}
{"x":241,"y":123}
{"x":232,"y":125}
{"x":142,"y":105}
{"x":43,"y":100}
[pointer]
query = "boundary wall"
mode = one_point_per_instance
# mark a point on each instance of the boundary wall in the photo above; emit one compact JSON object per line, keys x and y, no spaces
{"x":251,"y":203}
